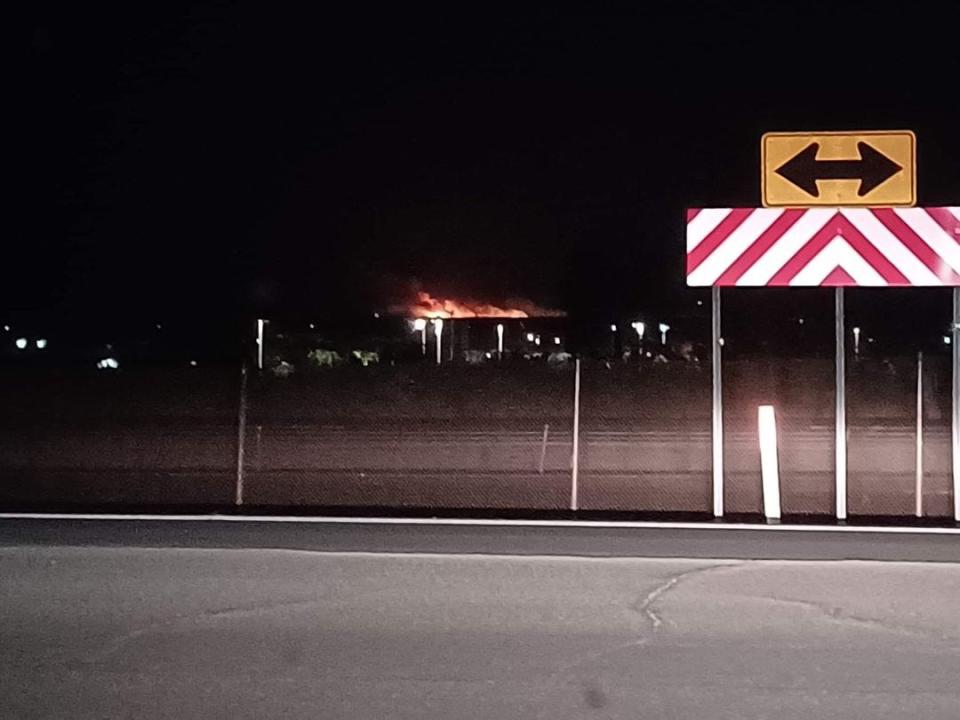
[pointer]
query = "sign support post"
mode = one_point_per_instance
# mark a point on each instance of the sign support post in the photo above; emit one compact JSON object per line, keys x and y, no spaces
{"x":840,"y":462}
{"x":955,"y":409}
{"x":717,"y":426}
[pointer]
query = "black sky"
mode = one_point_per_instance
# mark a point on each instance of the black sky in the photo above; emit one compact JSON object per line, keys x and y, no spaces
{"x":227,"y":159}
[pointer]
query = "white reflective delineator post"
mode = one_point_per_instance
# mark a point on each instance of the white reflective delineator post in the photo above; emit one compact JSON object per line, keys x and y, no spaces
{"x":260,"y":324}
{"x":840,"y":457}
{"x":717,"y":412}
{"x":438,"y":332}
{"x":499,"y":341}
{"x":769,"y":463}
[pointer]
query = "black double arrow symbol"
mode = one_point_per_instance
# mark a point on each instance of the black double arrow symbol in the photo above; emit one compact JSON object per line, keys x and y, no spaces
{"x":872,"y":169}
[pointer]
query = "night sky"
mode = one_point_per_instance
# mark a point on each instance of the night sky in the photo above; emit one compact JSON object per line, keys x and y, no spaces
{"x":219,"y":161}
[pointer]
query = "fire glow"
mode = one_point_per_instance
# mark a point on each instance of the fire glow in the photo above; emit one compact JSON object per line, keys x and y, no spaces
{"x":427,"y":306}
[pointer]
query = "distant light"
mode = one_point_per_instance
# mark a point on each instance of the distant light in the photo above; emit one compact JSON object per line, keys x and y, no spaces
{"x":6,"y":328}
{"x":536,"y":340}
{"x":869,"y":339}
{"x":556,"y":341}
{"x":613,"y":328}
{"x":21,"y":343}
{"x":41,"y":343}
{"x":108,"y":364}
{"x":699,"y":303}
{"x":649,"y":354}
{"x":529,"y":337}
{"x":720,"y":341}
{"x":946,"y":340}
{"x":488,"y":355}
{"x":159,"y":326}
{"x":193,"y":363}
{"x":418,"y":324}
{"x":376,"y":315}
{"x":312,"y":326}
{"x":800,"y":321}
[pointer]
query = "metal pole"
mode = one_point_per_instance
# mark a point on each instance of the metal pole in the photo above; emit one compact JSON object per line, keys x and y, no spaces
{"x":543,"y":448}
{"x":840,"y":461}
{"x":717,"y":426}
{"x":918,"y":510}
{"x":259,"y":440}
{"x":575,"y":460}
{"x":260,"y":323}
{"x":241,"y":435}
{"x":955,"y":425}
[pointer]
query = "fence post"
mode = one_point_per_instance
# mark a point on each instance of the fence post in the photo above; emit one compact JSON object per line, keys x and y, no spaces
{"x":543,"y":447}
{"x":918,"y":510}
{"x":575,"y":460}
{"x":241,"y":434}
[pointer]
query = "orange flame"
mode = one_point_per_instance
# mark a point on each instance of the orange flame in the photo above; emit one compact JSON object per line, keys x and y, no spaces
{"x":427,"y":306}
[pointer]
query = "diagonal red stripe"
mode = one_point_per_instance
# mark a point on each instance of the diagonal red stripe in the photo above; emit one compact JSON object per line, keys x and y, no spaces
{"x":839,"y":225}
{"x":759,"y":246}
{"x":805,"y":254}
{"x":868,"y":251}
{"x":716,"y":236}
{"x":692,"y":213}
{"x":838,"y":277}
{"x":945,"y":219}
{"x":895,"y":224}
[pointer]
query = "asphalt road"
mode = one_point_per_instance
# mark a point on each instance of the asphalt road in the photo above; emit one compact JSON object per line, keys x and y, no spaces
{"x":118,"y":631}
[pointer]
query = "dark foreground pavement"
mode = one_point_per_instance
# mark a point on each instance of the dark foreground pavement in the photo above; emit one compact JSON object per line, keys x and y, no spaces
{"x":110,"y":628}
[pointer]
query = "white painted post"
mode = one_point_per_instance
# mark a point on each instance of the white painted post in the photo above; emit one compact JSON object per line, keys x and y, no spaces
{"x":438,"y":332}
{"x":575,"y":460}
{"x":769,"y":463}
{"x":543,"y":447}
{"x":918,"y":494}
{"x":499,"y":341}
{"x":260,"y":324}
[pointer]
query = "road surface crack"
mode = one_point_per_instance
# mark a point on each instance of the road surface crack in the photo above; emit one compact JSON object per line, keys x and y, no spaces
{"x":647,"y":606}
{"x":118,"y":643}
{"x":837,"y":614}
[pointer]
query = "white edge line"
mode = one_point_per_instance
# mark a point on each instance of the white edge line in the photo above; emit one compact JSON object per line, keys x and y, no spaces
{"x":493,"y":522}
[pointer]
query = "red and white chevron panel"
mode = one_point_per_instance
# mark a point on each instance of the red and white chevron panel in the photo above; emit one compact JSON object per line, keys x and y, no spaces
{"x":874,"y":247}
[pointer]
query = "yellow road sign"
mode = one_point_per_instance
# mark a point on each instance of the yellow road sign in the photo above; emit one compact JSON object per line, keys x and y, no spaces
{"x":839,"y":168}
